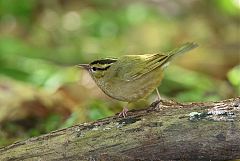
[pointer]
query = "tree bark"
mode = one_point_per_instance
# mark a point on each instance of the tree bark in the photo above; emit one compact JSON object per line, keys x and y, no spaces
{"x":165,"y":131}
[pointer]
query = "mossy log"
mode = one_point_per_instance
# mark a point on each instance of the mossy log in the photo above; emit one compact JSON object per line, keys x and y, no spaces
{"x":165,"y":131}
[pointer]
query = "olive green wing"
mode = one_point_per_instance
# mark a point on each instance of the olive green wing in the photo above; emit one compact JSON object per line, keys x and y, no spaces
{"x":131,"y":67}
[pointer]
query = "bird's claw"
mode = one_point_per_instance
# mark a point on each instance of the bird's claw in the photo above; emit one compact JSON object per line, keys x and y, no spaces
{"x":123,"y":113}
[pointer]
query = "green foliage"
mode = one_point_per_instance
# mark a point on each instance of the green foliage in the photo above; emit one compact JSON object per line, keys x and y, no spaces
{"x":234,"y":78}
{"x":98,"y":110}
{"x":73,"y":119}
{"x":51,"y":123}
{"x":229,"y":7}
{"x":22,"y":9}
{"x":189,"y":85}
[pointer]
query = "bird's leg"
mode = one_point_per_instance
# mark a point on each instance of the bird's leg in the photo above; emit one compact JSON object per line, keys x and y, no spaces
{"x":124,"y":112}
{"x":155,"y":104}
{"x":159,"y":97}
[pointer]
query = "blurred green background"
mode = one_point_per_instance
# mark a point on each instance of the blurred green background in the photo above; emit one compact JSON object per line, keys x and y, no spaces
{"x":40,"y":42}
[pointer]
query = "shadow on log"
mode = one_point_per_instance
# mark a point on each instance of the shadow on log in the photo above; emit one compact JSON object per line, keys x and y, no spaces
{"x":175,"y":131}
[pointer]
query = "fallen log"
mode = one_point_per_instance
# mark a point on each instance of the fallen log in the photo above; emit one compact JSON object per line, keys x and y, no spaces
{"x":167,"y":130}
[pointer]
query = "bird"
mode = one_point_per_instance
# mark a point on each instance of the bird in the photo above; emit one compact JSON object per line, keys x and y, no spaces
{"x":130,"y":78}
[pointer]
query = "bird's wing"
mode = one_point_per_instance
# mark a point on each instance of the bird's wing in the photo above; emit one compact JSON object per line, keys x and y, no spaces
{"x":131,"y":67}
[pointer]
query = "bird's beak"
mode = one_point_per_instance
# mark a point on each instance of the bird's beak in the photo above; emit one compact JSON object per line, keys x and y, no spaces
{"x":84,"y":66}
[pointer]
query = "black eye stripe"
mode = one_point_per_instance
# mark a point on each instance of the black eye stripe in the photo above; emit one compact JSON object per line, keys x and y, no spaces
{"x":101,"y":69}
{"x":104,"y":61}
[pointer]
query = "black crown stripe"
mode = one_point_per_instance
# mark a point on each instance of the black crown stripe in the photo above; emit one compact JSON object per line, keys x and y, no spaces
{"x":103,"y":61}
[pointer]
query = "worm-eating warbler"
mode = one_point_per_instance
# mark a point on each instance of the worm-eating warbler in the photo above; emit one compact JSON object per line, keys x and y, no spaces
{"x":132,"y":77}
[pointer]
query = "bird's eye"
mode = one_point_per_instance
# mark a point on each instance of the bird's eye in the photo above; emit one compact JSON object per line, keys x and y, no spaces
{"x":94,"y":69}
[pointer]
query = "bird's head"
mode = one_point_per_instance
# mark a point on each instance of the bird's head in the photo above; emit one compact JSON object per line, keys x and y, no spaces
{"x":98,"y":68}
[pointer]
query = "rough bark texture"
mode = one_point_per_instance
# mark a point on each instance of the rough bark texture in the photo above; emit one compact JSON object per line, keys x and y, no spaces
{"x":175,"y":131}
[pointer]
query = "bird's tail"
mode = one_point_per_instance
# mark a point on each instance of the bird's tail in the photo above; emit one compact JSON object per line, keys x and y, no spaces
{"x":181,"y":50}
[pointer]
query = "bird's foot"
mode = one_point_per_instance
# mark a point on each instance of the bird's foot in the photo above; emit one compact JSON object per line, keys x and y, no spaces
{"x":123,"y":113}
{"x":155,"y":105}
